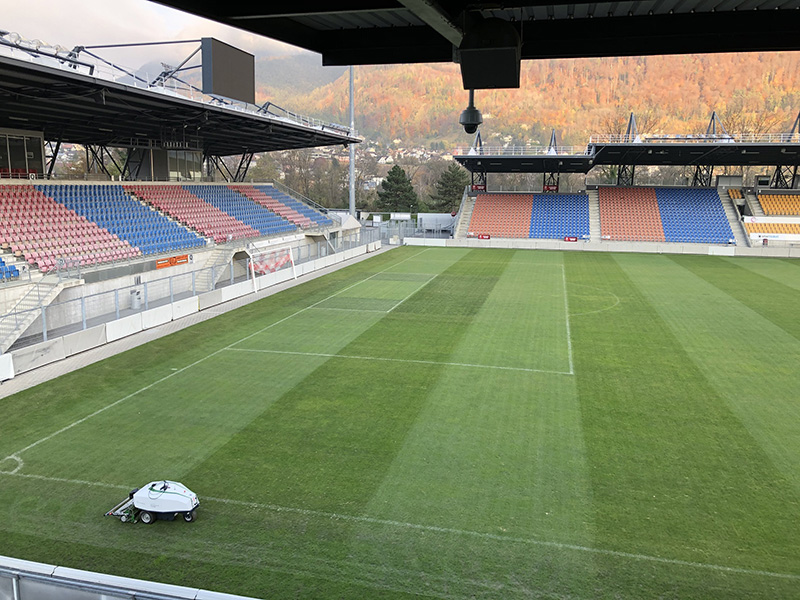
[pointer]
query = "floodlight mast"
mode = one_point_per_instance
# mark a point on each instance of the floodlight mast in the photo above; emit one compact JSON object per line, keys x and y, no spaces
{"x":352,"y":169}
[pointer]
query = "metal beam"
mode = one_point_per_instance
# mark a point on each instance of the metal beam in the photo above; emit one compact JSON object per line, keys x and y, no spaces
{"x":435,"y":17}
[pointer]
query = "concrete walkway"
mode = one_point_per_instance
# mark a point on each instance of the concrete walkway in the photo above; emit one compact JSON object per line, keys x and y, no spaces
{"x":72,"y":363}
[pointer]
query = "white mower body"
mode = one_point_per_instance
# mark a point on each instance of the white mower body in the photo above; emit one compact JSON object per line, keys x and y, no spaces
{"x":165,"y":497}
{"x":162,"y":499}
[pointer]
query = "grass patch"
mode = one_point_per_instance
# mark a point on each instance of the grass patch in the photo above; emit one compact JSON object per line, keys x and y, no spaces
{"x":441,"y":423}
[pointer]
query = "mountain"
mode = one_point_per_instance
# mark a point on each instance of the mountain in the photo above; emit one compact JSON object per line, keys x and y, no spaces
{"x":294,"y":74}
{"x":420,"y":104}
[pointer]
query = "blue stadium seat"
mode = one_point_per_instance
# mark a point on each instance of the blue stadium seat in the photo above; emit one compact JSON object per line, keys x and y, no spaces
{"x":693,"y":215}
{"x":113,"y":209}
{"x":556,"y":216}
{"x":241,"y":208}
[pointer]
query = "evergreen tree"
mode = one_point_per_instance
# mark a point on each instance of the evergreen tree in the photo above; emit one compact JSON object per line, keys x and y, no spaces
{"x":449,"y":189}
{"x":396,"y":193}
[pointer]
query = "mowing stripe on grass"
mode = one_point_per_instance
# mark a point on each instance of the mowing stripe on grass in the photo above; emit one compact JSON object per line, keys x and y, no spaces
{"x":497,"y":450}
{"x":771,"y":299}
{"x":327,"y":443}
{"x":20,"y":463}
{"x":402,"y":360}
{"x":730,"y":352}
{"x":784,"y":271}
{"x":433,"y":529}
{"x":15,"y":455}
{"x":673,"y":469}
{"x":504,"y":538}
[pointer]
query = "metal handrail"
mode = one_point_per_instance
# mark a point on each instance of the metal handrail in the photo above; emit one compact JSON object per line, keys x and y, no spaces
{"x":298,"y":196}
{"x":36,"y":290}
{"x":700,"y":138}
{"x":522,"y":151}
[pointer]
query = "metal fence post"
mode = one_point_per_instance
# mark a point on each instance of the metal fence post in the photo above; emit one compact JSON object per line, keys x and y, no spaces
{"x":44,"y":324}
{"x":83,"y":311}
{"x":171,"y":298}
{"x":231,"y":270}
{"x":194,"y":289}
{"x":145,"y":296}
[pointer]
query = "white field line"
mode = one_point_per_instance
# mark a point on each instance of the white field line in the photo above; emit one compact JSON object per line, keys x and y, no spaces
{"x":356,"y":310}
{"x":400,"y":360}
{"x":15,"y":456}
{"x":20,"y":463}
{"x":414,"y":292}
{"x":445,"y":530}
{"x":384,"y":312}
{"x":566,"y":318}
{"x":599,"y":310}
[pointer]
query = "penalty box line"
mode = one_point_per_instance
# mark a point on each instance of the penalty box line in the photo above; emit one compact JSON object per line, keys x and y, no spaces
{"x":15,"y":456}
{"x":444,"y":530}
{"x":401,"y":360}
{"x":368,"y":310}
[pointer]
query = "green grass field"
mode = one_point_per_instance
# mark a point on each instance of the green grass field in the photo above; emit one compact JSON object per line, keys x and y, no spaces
{"x":442,"y":423}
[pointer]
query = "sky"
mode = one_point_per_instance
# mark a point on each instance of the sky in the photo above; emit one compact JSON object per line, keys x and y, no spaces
{"x":96,"y":22}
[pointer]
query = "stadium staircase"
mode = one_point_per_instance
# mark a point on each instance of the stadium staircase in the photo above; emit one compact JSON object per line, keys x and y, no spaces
{"x":594,"y":214}
{"x":462,"y":228}
{"x":755,"y":206}
{"x":14,"y":323}
{"x":215,"y":266}
{"x":733,"y":219}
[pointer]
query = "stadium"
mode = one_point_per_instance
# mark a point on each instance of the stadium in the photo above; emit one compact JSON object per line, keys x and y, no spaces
{"x":571,"y":395}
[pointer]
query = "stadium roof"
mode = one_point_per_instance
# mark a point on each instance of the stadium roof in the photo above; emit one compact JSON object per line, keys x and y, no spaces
{"x":40,"y":94}
{"x":664,"y":150}
{"x":361,"y":32}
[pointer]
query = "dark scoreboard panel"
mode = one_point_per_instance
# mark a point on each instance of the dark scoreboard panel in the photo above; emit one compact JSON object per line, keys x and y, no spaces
{"x":228,"y":71}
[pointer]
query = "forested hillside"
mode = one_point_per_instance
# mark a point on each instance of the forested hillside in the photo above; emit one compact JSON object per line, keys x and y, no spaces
{"x":420,"y":104}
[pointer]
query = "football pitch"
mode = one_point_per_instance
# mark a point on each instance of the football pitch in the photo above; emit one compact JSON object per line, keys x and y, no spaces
{"x":444,"y":423}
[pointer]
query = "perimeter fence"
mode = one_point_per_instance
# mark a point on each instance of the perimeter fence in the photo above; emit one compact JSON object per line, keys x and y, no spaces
{"x":71,"y":314}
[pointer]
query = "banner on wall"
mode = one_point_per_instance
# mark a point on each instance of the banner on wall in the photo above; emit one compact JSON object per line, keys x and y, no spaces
{"x":172,"y":261}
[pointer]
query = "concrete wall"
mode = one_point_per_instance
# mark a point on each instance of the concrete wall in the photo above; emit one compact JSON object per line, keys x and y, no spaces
{"x":641,"y":247}
{"x":34,"y":580}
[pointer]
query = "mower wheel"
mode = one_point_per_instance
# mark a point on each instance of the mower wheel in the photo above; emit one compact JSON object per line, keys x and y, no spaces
{"x":189,"y":516}
{"x":146,"y":517}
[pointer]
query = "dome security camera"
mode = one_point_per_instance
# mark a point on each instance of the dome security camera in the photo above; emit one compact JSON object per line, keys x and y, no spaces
{"x":471,"y":117}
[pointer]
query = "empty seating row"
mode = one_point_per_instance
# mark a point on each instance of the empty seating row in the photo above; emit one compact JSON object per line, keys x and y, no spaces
{"x":47,"y":234}
{"x":630,"y":214}
{"x":555,"y":216}
{"x":242,"y":208}
{"x":549,"y":216}
{"x":693,"y":215}
{"x":121,"y":214}
{"x":791,"y":228}
{"x":48,"y":225}
{"x":193,"y":212}
{"x":265,"y":196}
{"x":681,"y":215}
{"x":780,"y":204}
{"x":296,"y":205}
{"x":8,"y":271}
{"x":502,"y":215}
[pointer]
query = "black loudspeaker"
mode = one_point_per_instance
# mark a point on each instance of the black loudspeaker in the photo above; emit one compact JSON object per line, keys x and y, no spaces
{"x":490,"y":55}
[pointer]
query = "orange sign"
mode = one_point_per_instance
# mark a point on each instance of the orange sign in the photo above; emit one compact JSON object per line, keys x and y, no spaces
{"x":172,"y":261}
